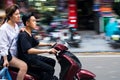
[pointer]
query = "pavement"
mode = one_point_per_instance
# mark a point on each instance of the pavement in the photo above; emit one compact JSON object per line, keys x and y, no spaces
{"x":94,"y":43}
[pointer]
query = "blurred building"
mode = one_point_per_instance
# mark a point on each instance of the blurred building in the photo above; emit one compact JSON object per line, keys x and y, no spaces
{"x":81,"y":14}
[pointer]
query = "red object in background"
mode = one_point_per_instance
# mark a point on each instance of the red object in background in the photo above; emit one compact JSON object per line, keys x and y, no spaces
{"x":72,"y":17}
{"x":9,"y":2}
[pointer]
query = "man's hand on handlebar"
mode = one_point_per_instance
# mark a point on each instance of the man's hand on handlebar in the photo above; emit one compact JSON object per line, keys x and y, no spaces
{"x":52,"y":44}
{"x":53,"y":51}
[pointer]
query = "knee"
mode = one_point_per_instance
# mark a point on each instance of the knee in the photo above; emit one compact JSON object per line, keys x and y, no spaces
{"x":53,"y":62}
{"x":24,"y":67}
{"x":52,"y":70}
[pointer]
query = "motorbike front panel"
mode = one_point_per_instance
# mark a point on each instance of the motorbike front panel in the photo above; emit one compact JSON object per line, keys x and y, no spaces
{"x":68,"y":62}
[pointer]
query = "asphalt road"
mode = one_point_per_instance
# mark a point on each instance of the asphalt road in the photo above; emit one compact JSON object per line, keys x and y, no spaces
{"x":106,"y":67}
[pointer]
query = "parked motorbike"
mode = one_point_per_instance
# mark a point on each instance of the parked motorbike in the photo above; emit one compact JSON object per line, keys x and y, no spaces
{"x":115,"y":38}
{"x":71,"y":68}
{"x":74,"y":38}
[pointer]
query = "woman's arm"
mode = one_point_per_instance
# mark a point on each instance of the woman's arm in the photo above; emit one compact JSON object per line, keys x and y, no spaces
{"x":4,"y":43}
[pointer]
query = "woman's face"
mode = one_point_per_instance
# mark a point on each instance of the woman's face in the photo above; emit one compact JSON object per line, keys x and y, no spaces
{"x":16,"y":16}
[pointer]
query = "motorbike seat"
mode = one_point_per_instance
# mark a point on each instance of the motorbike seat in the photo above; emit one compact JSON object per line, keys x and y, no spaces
{"x":13,"y":72}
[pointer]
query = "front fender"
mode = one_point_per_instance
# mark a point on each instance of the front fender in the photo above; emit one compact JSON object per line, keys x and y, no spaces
{"x":85,"y":74}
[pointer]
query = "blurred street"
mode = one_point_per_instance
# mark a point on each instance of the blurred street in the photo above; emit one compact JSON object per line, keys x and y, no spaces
{"x":104,"y":65}
{"x":92,"y":43}
{"x":58,"y":17}
{"x":96,"y":55}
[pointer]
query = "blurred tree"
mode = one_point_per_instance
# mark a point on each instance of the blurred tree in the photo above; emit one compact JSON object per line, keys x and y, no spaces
{"x":48,"y":17}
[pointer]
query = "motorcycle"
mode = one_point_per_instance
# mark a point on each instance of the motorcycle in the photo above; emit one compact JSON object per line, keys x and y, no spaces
{"x":74,"y":39}
{"x":71,"y":68}
{"x":115,"y":37}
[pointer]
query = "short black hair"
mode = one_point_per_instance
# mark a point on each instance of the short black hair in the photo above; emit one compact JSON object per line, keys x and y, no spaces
{"x":26,"y":17}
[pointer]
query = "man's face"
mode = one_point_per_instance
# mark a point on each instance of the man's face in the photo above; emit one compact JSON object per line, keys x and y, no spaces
{"x":32,"y":22}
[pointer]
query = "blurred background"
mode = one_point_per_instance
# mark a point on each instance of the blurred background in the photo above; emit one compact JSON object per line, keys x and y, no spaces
{"x":81,"y":14}
{"x":56,"y":17}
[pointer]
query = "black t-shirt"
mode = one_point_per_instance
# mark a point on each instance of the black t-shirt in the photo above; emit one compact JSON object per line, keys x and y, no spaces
{"x":25,"y":42}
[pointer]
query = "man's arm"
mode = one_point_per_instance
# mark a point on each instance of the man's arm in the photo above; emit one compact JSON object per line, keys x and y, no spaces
{"x":28,"y":46}
{"x":38,"y":51}
{"x":44,"y":44}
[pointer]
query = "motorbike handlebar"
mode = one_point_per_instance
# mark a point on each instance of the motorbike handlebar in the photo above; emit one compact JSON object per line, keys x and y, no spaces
{"x":60,"y":47}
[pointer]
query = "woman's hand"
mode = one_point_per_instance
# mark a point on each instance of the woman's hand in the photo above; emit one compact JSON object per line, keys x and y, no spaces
{"x":6,"y":63}
{"x":22,"y":29}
